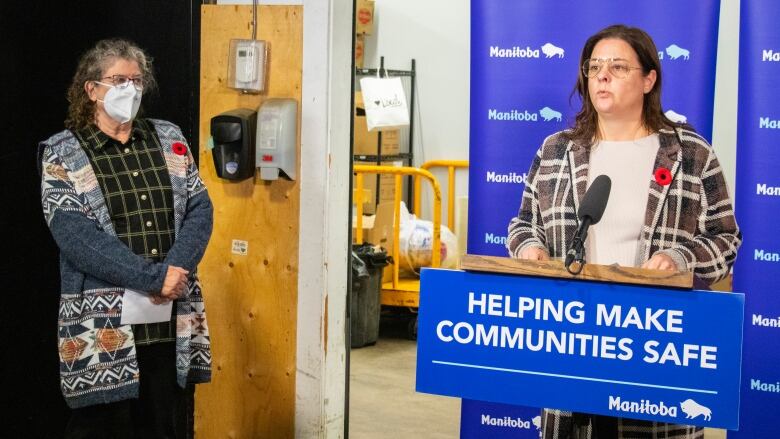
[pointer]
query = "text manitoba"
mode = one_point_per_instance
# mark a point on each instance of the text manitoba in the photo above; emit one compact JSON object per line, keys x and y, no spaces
{"x":765,"y":122}
{"x":770,"y":55}
{"x":763,"y":189}
{"x":513,"y":52}
{"x":642,"y":406}
{"x":524,"y":115}
{"x":764,"y":387}
{"x":759,"y":320}
{"x":761,"y":255}
{"x":512,"y":177}
{"x":506,"y":421}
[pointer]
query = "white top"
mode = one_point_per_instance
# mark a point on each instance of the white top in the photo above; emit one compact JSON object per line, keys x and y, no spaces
{"x":629,"y":164}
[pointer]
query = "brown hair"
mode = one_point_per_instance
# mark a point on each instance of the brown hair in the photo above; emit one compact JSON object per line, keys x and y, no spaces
{"x":81,"y":110}
{"x":586,"y":122}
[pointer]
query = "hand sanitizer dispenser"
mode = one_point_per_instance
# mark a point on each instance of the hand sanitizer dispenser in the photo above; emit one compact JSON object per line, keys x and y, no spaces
{"x":276,"y":135}
{"x":234,"y":143}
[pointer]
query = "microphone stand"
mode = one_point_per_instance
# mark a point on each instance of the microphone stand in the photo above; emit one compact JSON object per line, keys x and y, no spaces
{"x":575,"y":257}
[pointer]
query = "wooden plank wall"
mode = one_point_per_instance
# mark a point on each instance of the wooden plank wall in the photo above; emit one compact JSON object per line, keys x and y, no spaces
{"x":250,"y":300}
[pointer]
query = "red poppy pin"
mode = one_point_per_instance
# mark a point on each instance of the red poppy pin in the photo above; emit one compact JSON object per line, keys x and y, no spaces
{"x":179,"y":148}
{"x":663,"y":176}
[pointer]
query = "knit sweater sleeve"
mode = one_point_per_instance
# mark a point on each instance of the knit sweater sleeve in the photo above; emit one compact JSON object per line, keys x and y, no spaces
{"x":79,"y":238}
{"x":196,"y":226}
{"x":527,"y":229}
{"x":713,"y":249}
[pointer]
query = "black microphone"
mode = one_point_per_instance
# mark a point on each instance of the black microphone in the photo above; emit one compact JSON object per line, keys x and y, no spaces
{"x":591,"y":209}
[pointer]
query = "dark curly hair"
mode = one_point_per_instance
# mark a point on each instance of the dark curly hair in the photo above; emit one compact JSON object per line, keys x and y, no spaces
{"x":92,"y":65}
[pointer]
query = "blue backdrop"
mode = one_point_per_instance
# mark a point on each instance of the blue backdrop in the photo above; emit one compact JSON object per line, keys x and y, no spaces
{"x":524,"y":65}
{"x":758,"y":204}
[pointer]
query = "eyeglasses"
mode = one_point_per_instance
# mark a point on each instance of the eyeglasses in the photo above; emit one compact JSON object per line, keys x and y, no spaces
{"x":122,"y":81}
{"x":618,"y":68}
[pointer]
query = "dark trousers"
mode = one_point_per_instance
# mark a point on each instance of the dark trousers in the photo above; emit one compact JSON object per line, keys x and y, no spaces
{"x":163,"y":409}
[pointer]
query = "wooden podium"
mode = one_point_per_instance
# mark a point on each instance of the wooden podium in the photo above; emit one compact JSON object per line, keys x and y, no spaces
{"x":591,"y":272}
{"x":616,"y":341}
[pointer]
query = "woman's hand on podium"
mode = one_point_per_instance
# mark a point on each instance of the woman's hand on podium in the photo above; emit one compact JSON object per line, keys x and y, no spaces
{"x":535,"y":254}
{"x":660,"y":261}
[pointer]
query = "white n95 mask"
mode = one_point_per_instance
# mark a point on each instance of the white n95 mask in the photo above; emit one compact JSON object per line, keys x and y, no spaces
{"x":121,"y":103}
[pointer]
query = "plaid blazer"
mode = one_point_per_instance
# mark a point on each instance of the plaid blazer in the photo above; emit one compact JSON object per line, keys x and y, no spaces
{"x":691,"y":220}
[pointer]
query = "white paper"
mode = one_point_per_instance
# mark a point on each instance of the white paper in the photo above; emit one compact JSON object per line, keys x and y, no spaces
{"x":137,"y":307}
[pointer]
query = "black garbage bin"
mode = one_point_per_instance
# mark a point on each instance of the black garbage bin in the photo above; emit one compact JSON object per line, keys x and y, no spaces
{"x":367,"y":265}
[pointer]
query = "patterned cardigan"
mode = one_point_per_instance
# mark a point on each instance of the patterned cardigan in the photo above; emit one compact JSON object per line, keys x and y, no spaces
{"x":691,"y":220}
{"x":97,"y":353}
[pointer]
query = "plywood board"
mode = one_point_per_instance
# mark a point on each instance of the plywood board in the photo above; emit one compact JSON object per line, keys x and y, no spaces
{"x":250,"y":300}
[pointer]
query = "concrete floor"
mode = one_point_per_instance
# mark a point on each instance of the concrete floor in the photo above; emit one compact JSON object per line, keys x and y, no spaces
{"x":382,"y":400}
{"x":384,"y":405}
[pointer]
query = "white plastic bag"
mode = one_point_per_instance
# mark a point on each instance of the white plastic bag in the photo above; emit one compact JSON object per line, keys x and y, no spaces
{"x":416,"y":240}
{"x":385,"y":103}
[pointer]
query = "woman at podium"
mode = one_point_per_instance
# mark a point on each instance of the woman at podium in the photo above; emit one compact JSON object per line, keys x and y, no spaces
{"x":668,"y":208}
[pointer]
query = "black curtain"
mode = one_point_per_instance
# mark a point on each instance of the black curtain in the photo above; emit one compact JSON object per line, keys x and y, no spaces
{"x":40,"y":43}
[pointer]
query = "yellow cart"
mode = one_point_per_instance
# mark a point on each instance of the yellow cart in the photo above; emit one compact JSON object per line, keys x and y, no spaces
{"x":405,"y":292}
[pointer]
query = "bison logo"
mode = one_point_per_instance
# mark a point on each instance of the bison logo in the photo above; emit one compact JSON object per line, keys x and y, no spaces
{"x":693,"y":409}
{"x":537,"y":421}
{"x":550,"y":50}
{"x":549,"y":114}
{"x":676,"y":117}
{"x":674,"y":51}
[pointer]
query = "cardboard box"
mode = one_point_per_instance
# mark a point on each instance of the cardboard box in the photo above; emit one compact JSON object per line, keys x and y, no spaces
{"x":377,"y":228}
{"x":364,"y":17}
{"x":359,"y":51}
{"x":391,"y":144}
{"x":367,"y":142}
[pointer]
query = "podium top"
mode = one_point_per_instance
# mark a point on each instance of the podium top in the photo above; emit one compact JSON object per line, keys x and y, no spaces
{"x":591,"y":272}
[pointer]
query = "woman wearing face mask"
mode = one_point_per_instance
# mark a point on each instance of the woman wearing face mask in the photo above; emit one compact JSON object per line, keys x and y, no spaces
{"x":669,"y":207}
{"x":131,"y":217}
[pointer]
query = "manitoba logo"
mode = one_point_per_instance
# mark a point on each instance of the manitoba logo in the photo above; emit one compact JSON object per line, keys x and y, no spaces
{"x":549,"y":50}
{"x":549,"y":114}
{"x":676,"y":117}
{"x":537,"y":421}
{"x":674,"y":51}
{"x":693,"y":409}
